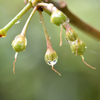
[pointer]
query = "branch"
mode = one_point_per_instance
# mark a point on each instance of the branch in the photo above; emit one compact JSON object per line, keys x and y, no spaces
{"x":75,"y":20}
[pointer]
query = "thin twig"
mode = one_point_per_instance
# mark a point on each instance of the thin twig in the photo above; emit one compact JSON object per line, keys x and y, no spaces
{"x":28,"y":21}
{"x":49,"y":46}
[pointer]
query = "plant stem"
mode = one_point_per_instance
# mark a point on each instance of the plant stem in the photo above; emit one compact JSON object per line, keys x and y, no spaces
{"x":28,"y":21}
{"x":49,"y":46}
{"x":18,"y":16}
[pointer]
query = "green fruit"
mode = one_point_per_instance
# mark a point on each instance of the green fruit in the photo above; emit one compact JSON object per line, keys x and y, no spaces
{"x":19,"y":43}
{"x":71,"y":36}
{"x":58,"y":17}
{"x":51,"y":57}
{"x":79,"y":47}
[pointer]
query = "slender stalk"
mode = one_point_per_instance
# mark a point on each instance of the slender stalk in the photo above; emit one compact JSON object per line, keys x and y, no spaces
{"x":28,"y":21}
{"x":24,"y":32}
{"x":18,"y":16}
{"x":49,"y":46}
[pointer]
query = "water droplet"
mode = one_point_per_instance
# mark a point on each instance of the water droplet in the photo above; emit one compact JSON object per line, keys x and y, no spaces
{"x":40,"y":22}
{"x":71,"y":42}
{"x":68,"y":20}
{"x":85,"y":47}
{"x":49,"y":37}
{"x":51,"y":63}
{"x":18,"y":21}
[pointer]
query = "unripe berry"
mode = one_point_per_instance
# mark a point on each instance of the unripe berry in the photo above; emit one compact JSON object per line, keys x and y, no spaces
{"x":19,"y":43}
{"x":71,"y":36}
{"x":79,"y":47}
{"x":51,"y":57}
{"x":58,"y":17}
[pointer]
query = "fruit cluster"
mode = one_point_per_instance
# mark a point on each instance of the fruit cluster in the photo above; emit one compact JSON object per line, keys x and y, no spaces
{"x":58,"y":18}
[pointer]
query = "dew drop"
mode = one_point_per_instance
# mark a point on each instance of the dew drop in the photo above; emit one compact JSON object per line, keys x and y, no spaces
{"x":51,"y":63}
{"x":85,"y":47}
{"x":49,"y":37}
{"x":68,"y":20}
{"x":18,"y":21}
{"x":40,"y":22}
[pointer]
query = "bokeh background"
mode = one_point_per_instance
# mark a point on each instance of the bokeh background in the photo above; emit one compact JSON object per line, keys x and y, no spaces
{"x":34,"y":79}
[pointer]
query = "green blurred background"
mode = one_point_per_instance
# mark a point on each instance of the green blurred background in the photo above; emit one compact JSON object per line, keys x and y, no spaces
{"x":34,"y":79}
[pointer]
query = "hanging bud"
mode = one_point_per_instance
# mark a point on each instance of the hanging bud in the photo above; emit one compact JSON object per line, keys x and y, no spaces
{"x":3,"y":33}
{"x":71,"y":36}
{"x":19,"y":43}
{"x":78,"y":47}
{"x":58,"y":17}
{"x":51,"y":59}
